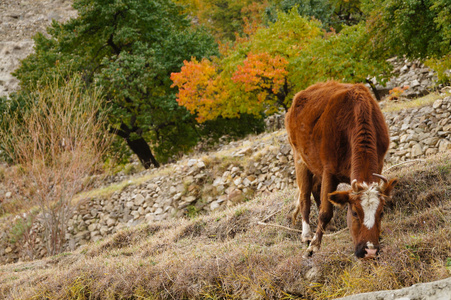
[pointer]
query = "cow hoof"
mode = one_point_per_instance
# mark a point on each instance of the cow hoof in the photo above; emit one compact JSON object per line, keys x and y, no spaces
{"x":311,"y":249}
{"x":306,"y":239}
{"x":308,"y":254}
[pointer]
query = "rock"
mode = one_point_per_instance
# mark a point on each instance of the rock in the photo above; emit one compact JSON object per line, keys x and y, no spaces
{"x":444,"y":145}
{"x":189,"y":199}
{"x":414,"y":83}
{"x":237,"y":181}
{"x":139,"y":199}
{"x":135,"y":214}
{"x":214,"y":205}
{"x":436,"y":290}
{"x":236,"y":196}
{"x":177,"y":197}
{"x":192,"y":162}
{"x":437,"y":103}
{"x":221,"y":199}
{"x":245,"y":152}
{"x":430,"y":141}
{"x":110,"y":222}
{"x":8,"y":195}
{"x":104,"y":230}
{"x":92,"y":227}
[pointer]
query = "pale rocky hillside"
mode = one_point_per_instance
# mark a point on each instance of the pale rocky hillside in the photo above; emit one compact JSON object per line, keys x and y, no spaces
{"x":19,"y":22}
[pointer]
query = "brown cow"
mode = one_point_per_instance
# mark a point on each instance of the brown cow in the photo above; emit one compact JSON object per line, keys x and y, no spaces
{"x":338,"y":134}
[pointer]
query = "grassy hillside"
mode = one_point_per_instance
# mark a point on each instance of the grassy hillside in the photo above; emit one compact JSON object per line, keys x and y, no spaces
{"x":229,"y":255}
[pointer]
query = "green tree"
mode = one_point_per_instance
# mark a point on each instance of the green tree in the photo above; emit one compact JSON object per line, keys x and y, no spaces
{"x":332,"y":13}
{"x":415,"y":28}
{"x":130,"y":48}
{"x":226,"y":19}
{"x":346,"y":56}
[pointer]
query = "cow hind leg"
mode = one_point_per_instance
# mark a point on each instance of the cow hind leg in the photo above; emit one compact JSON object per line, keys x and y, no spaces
{"x":304,"y":181}
{"x":316,"y":190}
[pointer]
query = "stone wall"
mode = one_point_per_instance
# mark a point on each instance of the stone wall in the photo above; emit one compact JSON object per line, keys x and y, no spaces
{"x":419,"y":132}
{"x":235,"y":173}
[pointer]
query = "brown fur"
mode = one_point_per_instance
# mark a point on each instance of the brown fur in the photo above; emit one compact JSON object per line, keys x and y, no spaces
{"x":337,"y":133}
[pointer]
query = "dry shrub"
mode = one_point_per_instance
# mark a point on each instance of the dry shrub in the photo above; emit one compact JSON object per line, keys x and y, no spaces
{"x":55,"y":143}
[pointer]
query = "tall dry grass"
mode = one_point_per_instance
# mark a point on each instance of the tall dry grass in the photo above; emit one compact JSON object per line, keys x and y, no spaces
{"x":54,"y":141}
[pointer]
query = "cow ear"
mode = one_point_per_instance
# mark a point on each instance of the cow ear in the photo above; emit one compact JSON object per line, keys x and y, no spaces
{"x":389,"y":186}
{"x":339,"y":198}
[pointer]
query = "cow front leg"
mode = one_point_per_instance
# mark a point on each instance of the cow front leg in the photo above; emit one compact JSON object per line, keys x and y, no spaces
{"x":328,"y":185}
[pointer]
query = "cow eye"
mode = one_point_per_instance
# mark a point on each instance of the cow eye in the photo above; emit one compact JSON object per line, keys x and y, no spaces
{"x":354,"y":214}
{"x":382,"y":214}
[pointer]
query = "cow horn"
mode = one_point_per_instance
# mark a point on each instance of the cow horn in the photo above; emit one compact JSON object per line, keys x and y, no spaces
{"x":381,"y":177}
{"x":354,"y":186}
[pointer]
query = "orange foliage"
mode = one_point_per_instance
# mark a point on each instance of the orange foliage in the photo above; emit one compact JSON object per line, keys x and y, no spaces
{"x":262,"y":73}
{"x":209,"y":94}
{"x":397,"y":92}
{"x":199,"y":91}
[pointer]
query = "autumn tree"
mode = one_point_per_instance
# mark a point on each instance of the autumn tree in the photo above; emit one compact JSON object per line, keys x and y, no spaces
{"x":264,"y":77}
{"x":261,"y":73}
{"x":251,"y":77}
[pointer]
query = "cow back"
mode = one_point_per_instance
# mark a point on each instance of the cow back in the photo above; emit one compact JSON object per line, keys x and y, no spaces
{"x":338,"y":128}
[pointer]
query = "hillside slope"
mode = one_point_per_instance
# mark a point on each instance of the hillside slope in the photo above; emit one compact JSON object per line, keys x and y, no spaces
{"x":228,"y":254}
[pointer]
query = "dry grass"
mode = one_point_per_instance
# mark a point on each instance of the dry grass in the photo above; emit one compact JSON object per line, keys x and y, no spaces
{"x":226,"y":255}
{"x":393,"y":106}
{"x":107,"y":191}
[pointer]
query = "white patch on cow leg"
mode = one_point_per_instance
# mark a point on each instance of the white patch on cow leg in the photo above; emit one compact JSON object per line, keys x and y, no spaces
{"x":370,"y":203}
{"x":306,"y":235}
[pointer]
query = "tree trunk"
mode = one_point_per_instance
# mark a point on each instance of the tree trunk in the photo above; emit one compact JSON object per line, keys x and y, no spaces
{"x":142,"y":150}
{"x":139,"y":145}
{"x":375,"y":91}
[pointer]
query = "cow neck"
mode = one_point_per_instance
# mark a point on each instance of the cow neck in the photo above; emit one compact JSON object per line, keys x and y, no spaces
{"x":364,"y":160}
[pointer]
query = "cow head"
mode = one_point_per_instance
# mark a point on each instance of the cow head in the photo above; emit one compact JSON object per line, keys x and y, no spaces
{"x":365,"y":206}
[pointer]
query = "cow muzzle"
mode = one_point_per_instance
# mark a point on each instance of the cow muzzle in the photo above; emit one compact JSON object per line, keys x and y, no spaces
{"x":367,"y":250}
